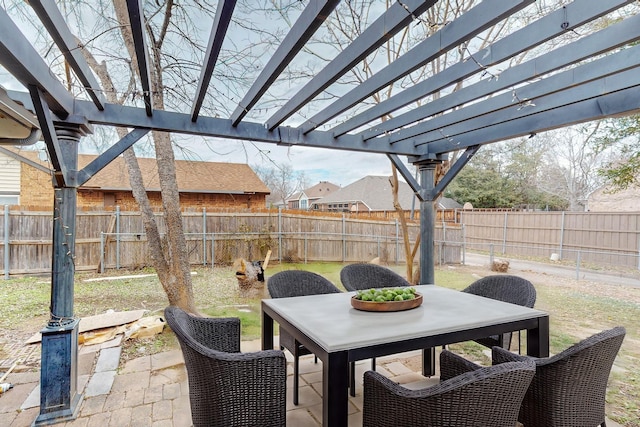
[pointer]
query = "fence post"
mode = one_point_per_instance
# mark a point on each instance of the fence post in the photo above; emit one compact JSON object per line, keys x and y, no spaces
{"x":490,"y":254}
{"x":464,"y":244}
{"x":378,"y":239}
{"x":562,"y":234}
{"x":305,"y":248}
{"x":6,"y":242}
{"x":397,"y":240}
{"x":280,"y":234}
{"x":204,"y":236}
{"x":504,"y":234}
{"x":638,"y":251}
{"x":117,"y":242}
{"x":344,"y":238}
{"x":213,"y":249}
{"x":101,"y":252}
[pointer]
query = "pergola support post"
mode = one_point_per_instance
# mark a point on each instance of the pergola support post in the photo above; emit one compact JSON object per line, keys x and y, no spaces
{"x":59,"y":397}
{"x":427,"y":171}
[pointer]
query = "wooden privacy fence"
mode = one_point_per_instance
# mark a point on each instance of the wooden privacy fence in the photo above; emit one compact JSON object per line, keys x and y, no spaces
{"x":599,"y":238}
{"x":117,"y":240}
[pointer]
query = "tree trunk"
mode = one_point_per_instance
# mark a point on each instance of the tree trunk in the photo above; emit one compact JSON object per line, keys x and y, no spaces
{"x":169,"y":256}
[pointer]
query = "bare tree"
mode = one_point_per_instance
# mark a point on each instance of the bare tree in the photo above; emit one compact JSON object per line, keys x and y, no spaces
{"x":282,"y":180}
{"x":572,"y":161}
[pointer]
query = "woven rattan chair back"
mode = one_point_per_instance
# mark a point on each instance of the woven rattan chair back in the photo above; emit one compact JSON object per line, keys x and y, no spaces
{"x":506,"y":288}
{"x":569,"y":388}
{"x":228,"y":388}
{"x":487,"y":397}
{"x":365,"y":276}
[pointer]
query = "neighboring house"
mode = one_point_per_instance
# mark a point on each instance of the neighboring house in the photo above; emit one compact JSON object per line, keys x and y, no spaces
{"x":368,"y":194}
{"x":306,"y":198}
{"x":445,"y":203}
{"x":9,"y":180}
{"x":202,"y":185}
{"x":604,"y":200}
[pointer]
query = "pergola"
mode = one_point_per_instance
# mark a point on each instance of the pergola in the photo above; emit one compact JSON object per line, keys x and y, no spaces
{"x":590,"y":78}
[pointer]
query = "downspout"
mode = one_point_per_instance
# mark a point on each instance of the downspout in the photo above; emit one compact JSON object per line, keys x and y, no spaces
{"x":33,"y":137}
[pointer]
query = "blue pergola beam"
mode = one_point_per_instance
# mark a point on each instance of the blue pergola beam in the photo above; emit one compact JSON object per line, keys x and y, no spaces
{"x":611,"y":64}
{"x":112,"y":152}
{"x":624,"y":102}
{"x":454,"y":170}
{"x":55,"y":24}
{"x":579,"y":12}
{"x":470,"y":24}
{"x":307,"y":24}
{"x":19,"y":58}
{"x":398,"y":16}
{"x":167,"y":121}
{"x":216,"y":38}
{"x":406,"y":174}
{"x":61,"y":175}
{"x":136,"y":18}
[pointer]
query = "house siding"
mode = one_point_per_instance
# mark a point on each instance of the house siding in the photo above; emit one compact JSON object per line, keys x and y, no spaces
{"x":9,"y":175}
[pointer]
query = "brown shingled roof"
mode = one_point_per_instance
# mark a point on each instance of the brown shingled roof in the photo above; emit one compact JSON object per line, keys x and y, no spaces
{"x":193,"y":176}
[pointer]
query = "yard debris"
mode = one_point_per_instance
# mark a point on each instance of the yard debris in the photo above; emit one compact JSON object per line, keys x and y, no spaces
{"x":145,"y":327}
{"x":500,"y":265}
{"x":99,"y":322}
{"x":250,"y":276}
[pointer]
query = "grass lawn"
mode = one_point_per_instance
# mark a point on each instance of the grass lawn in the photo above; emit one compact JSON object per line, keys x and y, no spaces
{"x":577,"y":310}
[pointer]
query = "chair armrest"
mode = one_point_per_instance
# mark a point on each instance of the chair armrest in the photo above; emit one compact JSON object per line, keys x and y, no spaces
{"x":486,"y":396}
{"x":500,"y":355}
{"x":452,"y":365}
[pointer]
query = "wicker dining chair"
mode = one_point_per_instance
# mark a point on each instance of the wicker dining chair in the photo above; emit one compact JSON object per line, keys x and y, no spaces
{"x":362,"y":276}
{"x":487,"y":397}
{"x":505,"y":288}
{"x":569,"y":388}
{"x":295,"y":283}
{"x":228,"y":388}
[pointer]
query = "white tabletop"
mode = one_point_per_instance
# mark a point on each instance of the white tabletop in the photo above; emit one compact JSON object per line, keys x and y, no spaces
{"x":331,"y":322}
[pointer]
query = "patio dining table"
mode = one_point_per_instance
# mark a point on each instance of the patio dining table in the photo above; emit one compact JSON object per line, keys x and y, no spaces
{"x":338,"y":334}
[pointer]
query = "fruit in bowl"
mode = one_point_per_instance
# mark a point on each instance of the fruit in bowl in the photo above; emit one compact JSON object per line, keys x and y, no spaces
{"x":386,"y":294}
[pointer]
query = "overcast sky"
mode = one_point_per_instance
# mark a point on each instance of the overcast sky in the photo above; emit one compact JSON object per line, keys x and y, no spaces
{"x":339,"y":167}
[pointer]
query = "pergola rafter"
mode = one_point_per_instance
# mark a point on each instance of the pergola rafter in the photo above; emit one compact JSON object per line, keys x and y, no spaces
{"x":462,"y":107}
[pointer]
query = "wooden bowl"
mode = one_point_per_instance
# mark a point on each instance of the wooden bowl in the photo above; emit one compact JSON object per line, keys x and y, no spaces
{"x":387,"y":305}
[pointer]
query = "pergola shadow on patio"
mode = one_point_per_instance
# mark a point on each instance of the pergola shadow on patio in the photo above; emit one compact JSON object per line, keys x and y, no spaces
{"x":591,"y":77}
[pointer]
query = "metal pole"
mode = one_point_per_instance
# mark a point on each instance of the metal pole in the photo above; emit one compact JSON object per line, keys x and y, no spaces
{"x":117,"y":240}
{"x":344,"y":239}
{"x":397,"y":240}
{"x":464,"y":244}
{"x":6,"y":242}
{"x":305,"y":248}
{"x":562,"y":233}
{"x":578,"y":261}
{"x":638,"y":251}
{"x":427,"y":223}
{"x":204,"y":236}
{"x":213,"y":252}
{"x":504,"y":234}
{"x":490,"y":254}
{"x":101,"y":252}
{"x":279,"y":234}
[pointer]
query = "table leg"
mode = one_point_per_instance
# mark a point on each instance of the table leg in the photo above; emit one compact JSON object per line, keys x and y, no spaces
{"x":267,"y":332}
{"x":538,"y":339}
{"x":429,"y":362}
{"x":335,"y":390}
